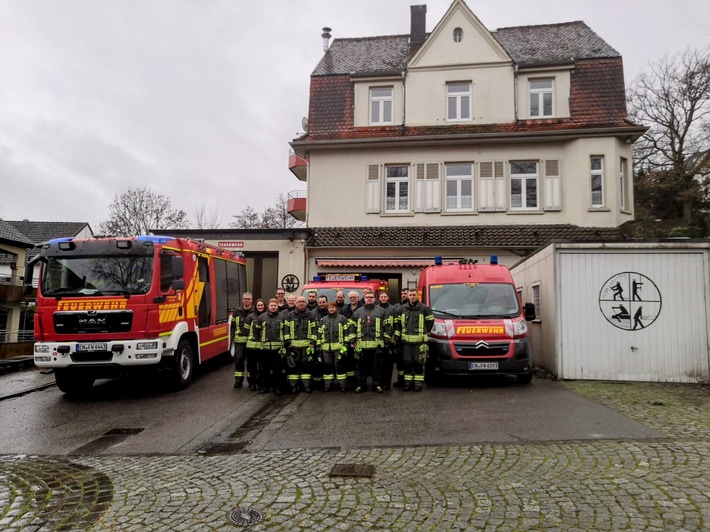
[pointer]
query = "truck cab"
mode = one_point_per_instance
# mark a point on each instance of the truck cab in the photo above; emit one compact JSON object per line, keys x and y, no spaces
{"x":480,"y":325}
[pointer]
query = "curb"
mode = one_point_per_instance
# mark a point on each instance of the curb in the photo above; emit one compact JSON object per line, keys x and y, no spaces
{"x":10,"y":365}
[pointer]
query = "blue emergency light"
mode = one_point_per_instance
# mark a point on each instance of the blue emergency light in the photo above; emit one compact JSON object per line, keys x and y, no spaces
{"x":438,"y":260}
{"x":494,"y":259}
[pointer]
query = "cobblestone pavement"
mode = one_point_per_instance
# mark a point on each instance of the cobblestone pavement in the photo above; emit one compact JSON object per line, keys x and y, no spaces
{"x":601,"y":485}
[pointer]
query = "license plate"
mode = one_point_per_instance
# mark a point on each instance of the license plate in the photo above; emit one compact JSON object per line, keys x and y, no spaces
{"x":92,"y":347}
{"x":483,"y":365}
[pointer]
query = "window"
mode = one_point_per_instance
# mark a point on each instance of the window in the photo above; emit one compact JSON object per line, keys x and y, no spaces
{"x":458,"y":35}
{"x":397,"y":188}
{"x":381,"y":105}
{"x":459,"y":187}
{"x":458,"y":101}
{"x":541,"y":97}
{"x":597,"y":180}
{"x":537,"y":300}
{"x":523,"y":185}
{"x":623,"y":184}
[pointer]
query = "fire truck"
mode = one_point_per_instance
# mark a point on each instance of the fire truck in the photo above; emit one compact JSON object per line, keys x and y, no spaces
{"x":329,"y":284}
{"x":107,"y":306}
{"x":480,"y":326}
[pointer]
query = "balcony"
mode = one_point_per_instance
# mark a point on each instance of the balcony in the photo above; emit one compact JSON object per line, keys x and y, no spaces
{"x":298,"y":166}
{"x":10,"y":293}
{"x":296,"y":204}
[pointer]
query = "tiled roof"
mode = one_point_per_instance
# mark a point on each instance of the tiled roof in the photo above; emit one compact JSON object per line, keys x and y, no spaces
{"x":526,"y":45}
{"x":38,"y":232}
{"x":526,"y":236}
{"x":11,"y":235}
{"x":553,"y":43}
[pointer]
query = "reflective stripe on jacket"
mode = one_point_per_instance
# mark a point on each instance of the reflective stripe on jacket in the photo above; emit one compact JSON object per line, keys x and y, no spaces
{"x":300,"y":328}
{"x":370,"y":327}
{"x":415,"y":322}
{"x":334,"y":332}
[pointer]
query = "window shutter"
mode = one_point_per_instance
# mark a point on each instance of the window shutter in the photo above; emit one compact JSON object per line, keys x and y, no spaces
{"x":432,"y":188}
{"x":373,"y":188}
{"x":553,"y":196}
{"x":419,"y":188}
{"x":486,"y":187}
{"x":499,"y":177}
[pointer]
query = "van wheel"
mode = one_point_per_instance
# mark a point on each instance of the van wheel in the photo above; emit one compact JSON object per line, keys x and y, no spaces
{"x":183,"y":365}
{"x":73,"y":382}
{"x":524,"y":378}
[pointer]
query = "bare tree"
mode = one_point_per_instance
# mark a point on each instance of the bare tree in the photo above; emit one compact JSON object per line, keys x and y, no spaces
{"x":206,"y":219}
{"x":275,"y":217}
{"x":673,"y":99}
{"x":139,"y":210}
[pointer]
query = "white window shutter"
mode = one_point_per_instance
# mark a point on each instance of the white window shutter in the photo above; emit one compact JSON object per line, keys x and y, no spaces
{"x":553,"y":184}
{"x":373,"y":188}
{"x":499,"y":176}
{"x":486,"y":187}
{"x":432,"y":188}
{"x":419,"y":188}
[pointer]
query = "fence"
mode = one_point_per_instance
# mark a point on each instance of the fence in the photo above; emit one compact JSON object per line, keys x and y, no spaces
{"x":12,"y":337}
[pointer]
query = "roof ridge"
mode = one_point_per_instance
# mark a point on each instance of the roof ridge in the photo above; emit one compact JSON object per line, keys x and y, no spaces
{"x":568,"y":23}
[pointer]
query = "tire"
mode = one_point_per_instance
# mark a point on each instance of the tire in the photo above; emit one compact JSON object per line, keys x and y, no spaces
{"x":73,"y":382}
{"x":524,"y":378}
{"x":183,"y":365}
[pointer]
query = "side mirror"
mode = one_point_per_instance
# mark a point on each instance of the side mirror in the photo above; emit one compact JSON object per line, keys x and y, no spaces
{"x":29,"y":273}
{"x":529,"y":311}
{"x":178,"y":267}
{"x":178,"y":284}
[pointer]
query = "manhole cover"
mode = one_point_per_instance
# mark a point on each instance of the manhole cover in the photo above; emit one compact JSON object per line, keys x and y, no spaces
{"x":246,"y":516}
{"x":352,"y":470}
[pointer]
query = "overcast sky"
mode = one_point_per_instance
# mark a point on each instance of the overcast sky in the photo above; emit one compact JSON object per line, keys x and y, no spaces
{"x":198,"y":99}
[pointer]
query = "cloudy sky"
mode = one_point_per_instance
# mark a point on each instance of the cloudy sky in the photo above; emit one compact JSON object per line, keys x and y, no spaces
{"x":198,"y":99}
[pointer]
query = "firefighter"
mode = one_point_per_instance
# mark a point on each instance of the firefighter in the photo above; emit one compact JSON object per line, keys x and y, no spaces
{"x":321,"y":310}
{"x":340,"y":300}
{"x":334,"y":335}
{"x":312,"y":300}
{"x":268,"y":329}
{"x":281,"y":298}
{"x":404,"y":299}
{"x":370,"y":330}
{"x":300,"y":340}
{"x":290,"y":305}
{"x":390,"y":347}
{"x":415,"y":322}
{"x":347,"y":311}
{"x":241,"y":335}
{"x":253,"y":347}
{"x":319,"y":313}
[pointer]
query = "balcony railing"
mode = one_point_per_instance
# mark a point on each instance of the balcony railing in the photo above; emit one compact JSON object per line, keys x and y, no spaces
{"x":298,"y":165}
{"x":297,"y":204}
{"x":12,"y":337}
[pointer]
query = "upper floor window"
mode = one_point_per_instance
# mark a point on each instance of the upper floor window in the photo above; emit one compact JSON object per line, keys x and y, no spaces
{"x":458,"y":101}
{"x":397,"y":189}
{"x":623,"y":183}
{"x":541,"y":97}
{"x":381,"y":99}
{"x":458,"y":35}
{"x":597,"y":180}
{"x":459,"y":186}
{"x":523,"y":185}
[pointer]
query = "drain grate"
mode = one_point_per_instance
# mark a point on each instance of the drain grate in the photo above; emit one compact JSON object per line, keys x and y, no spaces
{"x":220,"y":448}
{"x":246,"y":516}
{"x":123,"y":432}
{"x":352,"y":470}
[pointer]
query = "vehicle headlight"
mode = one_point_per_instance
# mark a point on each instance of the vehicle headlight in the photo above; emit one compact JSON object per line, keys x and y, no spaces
{"x":146,"y":346}
{"x":439,"y":329}
{"x":520,"y":328}
{"x":41,"y":348}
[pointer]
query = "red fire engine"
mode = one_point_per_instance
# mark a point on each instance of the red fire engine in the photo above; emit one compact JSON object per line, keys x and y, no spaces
{"x":109,"y":305}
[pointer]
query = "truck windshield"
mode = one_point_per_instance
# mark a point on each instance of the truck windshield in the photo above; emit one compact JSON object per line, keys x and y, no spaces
{"x":474,"y":300}
{"x":94,"y":276}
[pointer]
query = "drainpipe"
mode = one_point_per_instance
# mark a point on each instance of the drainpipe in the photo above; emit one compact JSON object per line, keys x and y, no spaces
{"x":404,"y":98}
{"x":515,"y":90}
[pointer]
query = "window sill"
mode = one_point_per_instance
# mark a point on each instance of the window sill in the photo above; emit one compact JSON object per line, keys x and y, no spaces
{"x":395,"y":214}
{"x":598,"y":209}
{"x":625,"y":211}
{"x":459,"y":213}
{"x":516,"y":212}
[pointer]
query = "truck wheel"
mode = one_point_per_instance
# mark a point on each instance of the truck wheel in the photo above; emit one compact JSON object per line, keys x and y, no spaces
{"x":524,"y":378}
{"x":73,"y":382}
{"x":183,"y":365}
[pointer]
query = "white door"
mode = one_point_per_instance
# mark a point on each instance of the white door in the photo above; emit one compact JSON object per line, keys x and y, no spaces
{"x":637,"y":316}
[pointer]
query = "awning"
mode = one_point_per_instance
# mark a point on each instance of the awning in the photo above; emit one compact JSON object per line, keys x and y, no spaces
{"x":375,"y":263}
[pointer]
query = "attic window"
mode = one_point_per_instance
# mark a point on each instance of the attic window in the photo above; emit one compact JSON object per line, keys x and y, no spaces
{"x":458,"y":35}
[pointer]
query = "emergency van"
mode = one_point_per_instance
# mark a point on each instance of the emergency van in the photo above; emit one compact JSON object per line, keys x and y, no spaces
{"x":480,"y":326}
{"x":329,"y":284}
{"x":106,"y":306}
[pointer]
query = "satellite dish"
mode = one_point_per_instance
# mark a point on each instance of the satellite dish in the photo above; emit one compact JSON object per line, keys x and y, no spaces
{"x":304,"y":124}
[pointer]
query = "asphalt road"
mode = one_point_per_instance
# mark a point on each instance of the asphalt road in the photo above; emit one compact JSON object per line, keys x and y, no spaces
{"x":140,"y":416}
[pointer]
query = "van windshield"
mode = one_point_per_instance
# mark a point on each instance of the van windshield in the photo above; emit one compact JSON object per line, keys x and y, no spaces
{"x":474,"y":300}
{"x":331,"y":292}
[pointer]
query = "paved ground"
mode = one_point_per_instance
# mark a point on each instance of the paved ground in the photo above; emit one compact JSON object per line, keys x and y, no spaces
{"x":642,"y":484}
{"x":25,"y":381}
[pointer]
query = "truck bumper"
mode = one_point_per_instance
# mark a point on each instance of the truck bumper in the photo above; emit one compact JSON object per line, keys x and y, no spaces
{"x":118,"y":353}
{"x":517,"y":361}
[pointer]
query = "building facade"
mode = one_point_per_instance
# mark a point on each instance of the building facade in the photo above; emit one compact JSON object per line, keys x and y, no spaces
{"x":462,"y":142}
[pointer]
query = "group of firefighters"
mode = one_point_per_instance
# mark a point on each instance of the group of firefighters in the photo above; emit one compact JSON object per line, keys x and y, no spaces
{"x":297,"y":344}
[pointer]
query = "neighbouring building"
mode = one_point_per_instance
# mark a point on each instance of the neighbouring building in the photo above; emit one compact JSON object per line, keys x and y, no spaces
{"x":461,"y":142}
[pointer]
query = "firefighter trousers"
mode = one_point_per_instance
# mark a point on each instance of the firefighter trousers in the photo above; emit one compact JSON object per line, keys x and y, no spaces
{"x":369,"y":363}
{"x":244,"y":357}
{"x":270,"y":369}
{"x":302,"y":371}
{"x":388,"y":357}
{"x":413,"y":367}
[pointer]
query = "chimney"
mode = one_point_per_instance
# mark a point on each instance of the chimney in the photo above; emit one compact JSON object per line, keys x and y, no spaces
{"x":326,"y":38}
{"x":418,"y":33}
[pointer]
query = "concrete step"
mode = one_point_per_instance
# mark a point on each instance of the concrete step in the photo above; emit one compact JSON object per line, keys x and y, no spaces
{"x":8,"y":365}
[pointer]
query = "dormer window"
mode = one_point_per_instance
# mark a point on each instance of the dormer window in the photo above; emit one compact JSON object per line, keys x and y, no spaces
{"x":542,"y":98}
{"x":458,"y":35}
{"x":381,"y":100}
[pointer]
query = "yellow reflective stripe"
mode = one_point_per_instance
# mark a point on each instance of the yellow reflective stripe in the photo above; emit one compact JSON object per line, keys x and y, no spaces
{"x":418,"y":378}
{"x":305,"y":375}
{"x":166,"y":333}
{"x":409,"y":377}
{"x":220,"y":339}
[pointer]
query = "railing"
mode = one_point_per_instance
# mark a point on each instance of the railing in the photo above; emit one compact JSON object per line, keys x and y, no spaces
{"x":297,"y":194}
{"x":16,"y":337}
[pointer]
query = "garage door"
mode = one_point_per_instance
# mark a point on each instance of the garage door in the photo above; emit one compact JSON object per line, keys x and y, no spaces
{"x":634,"y":316}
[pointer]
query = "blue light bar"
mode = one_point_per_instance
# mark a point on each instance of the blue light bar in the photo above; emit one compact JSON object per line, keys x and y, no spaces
{"x":438,"y":260}
{"x":155,"y":239}
{"x":494,"y":259}
{"x":57,"y":240}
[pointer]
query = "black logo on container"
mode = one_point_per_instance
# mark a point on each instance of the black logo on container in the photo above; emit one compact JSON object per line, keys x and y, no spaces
{"x":630,"y":301}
